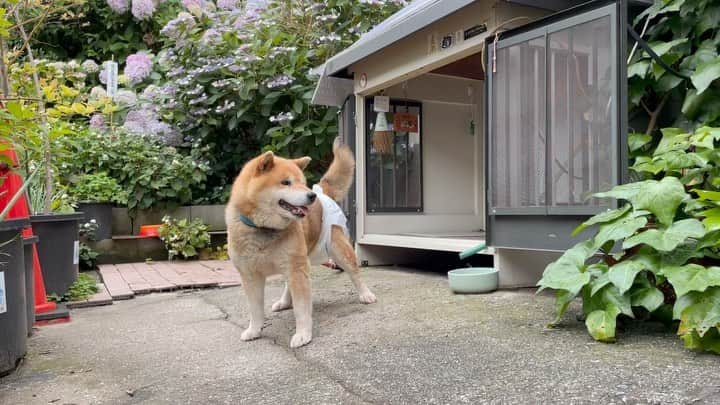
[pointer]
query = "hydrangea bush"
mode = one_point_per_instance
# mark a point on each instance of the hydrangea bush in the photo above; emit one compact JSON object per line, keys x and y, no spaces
{"x":238,"y":78}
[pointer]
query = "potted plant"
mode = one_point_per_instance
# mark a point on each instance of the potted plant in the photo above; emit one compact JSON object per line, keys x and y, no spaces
{"x":183,"y":238}
{"x":96,"y":195}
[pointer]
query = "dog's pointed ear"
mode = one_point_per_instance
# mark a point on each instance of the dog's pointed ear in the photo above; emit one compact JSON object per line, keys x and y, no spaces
{"x":267,"y":160}
{"x":302,"y":162}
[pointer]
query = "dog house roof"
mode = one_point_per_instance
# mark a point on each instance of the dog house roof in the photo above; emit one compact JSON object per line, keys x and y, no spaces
{"x":411,"y":18}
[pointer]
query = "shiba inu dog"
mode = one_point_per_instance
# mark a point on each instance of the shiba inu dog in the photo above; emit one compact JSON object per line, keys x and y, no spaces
{"x":277,"y":225}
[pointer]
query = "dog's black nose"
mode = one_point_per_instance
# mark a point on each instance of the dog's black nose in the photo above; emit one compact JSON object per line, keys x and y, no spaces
{"x":311,"y":196}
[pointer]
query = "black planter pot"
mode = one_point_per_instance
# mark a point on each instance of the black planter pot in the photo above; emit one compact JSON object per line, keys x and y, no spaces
{"x":13,"y":311}
{"x":102,"y":214}
{"x":28,"y":244}
{"x":59,"y":249}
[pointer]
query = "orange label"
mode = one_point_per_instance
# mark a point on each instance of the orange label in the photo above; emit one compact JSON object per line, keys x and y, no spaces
{"x":405,"y":122}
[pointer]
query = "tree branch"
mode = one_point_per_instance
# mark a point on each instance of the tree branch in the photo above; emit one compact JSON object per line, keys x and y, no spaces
{"x":655,"y":114}
{"x":49,"y":184}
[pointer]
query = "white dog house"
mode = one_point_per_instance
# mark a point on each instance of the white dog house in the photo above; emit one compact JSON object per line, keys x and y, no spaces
{"x":502,"y":118}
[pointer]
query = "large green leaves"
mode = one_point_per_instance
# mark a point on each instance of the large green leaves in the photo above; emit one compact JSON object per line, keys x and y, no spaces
{"x":601,"y":324}
{"x":698,"y":312}
{"x":602,"y":217}
{"x":705,"y":74}
{"x":618,"y":229}
{"x":691,"y":277}
{"x":623,"y":274}
{"x":662,"y":198}
{"x":668,"y":239}
{"x":647,"y":297}
{"x":568,"y":272}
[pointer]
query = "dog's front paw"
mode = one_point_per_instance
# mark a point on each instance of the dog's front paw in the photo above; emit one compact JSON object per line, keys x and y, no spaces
{"x":281,"y":305}
{"x":250,"y":334}
{"x":300,"y":339}
{"x":367,"y":297}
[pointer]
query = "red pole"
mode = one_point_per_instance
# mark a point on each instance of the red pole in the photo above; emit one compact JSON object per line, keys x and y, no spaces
{"x":11,"y":184}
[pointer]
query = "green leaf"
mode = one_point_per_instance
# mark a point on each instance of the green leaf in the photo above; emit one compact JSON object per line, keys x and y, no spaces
{"x":567,"y":273}
{"x":708,"y":195}
{"x":673,"y":139}
{"x":602,"y":217}
{"x":639,"y":69}
{"x":658,"y":8}
{"x":665,"y":240}
{"x":662,"y":198}
{"x":661,"y":48}
{"x":705,"y":137}
{"x":599,"y":283}
{"x":623,"y":274}
{"x":691,"y":277}
{"x":618,"y":229}
{"x":698,"y":312}
{"x":705,"y":74}
{"x":637,"y":141}
{"x":712,"y":219}
{"x":648,"y":297}
{"x":562,"y":300}
{"x":601,"y":324}
{"x":298,"y":106}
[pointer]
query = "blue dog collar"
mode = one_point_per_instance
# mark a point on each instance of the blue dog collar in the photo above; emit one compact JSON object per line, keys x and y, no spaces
{"x":247,"y":221}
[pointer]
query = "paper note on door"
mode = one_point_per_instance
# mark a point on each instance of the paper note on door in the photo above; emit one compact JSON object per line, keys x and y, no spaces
{"x":3,"y":301}
{"x":76,"y":252}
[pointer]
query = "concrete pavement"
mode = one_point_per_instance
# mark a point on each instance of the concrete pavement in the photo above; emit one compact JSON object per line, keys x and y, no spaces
{"x":418,"y":344}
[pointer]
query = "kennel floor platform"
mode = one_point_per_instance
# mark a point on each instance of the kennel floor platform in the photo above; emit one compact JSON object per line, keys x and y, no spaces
{"x":440,"y":241}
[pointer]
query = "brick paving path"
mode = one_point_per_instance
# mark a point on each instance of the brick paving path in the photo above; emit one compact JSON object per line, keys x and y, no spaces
{"x":123,"y":281}
{"x":102,"y":297}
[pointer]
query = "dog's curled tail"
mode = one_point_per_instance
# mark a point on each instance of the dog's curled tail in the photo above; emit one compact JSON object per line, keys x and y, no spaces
{"x":339,"y":177}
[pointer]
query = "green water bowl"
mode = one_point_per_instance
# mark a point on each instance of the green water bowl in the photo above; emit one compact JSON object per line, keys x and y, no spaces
{"x":473,"y":280}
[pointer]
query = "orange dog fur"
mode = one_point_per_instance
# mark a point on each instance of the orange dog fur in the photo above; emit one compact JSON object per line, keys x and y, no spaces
{"x":274,"y":222}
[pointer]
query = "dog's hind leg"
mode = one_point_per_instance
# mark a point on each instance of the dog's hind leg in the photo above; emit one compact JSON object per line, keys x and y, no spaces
{"x":255,"y":291}
{"x":299,"y":286}
{"x":341,"y":251}
{"x":285,"y":302}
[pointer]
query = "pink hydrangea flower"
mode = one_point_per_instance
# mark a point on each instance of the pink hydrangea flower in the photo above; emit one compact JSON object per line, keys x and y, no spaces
{"x":138,"y":66}
{"x":143,"y":9}
{"x":119,"y":6}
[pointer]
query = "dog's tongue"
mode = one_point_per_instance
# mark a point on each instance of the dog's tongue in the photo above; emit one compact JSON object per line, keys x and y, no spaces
{"x":300,"y":210}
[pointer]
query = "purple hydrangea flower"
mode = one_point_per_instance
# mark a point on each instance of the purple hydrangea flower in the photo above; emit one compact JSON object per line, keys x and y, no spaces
{"x":279,"y":81}
{"x":138,"y":66}
{"x":227,"y":4}
{"x":175,"y":27}
{"x":143,"y":9}
{"x":97,"y":93}
{"x":97,"y":121}
{"x":194,"y":3}
{"x":119,"y":6}
{"x":90,"y":66}
{"x":102,"y":76}
{"x":125,"y":97}
{"x":146,"y":122}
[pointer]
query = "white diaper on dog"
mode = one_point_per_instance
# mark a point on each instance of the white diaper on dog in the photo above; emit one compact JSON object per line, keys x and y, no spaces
{"x":332,"y":215}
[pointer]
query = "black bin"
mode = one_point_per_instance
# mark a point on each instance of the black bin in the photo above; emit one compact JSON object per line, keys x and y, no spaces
{"x":13,"y":309}
{"x":59,"y":249}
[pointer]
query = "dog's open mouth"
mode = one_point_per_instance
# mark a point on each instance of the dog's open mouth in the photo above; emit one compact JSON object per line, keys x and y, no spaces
{"x":297,"y":210}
